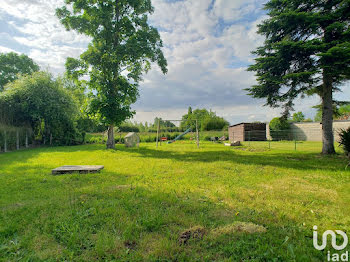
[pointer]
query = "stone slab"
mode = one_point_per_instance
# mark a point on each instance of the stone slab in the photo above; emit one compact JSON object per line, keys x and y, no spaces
{"x":80,"y":169}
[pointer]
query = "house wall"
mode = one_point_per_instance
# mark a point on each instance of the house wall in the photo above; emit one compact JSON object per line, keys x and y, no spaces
{"x":313,"y":131}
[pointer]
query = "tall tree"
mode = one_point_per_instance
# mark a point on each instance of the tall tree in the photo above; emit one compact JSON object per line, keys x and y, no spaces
{"x":122,"y":48}
{"x":12,"y":64}
{"x":298,"y":117}
{"x":306,"y":51}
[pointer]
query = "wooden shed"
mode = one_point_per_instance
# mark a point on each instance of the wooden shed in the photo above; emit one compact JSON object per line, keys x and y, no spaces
{"x":247,"y":132}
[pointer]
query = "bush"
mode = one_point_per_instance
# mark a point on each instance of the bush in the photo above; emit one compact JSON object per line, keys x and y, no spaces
{"x":344,"y":141}
{"x":40,"y":102}
{"x":278,"y":128}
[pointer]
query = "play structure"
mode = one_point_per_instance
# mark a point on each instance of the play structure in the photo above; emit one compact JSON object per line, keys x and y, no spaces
{"x":179,"y":136}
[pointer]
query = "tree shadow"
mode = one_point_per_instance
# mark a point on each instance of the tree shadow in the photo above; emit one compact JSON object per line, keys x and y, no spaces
{"x":304,"y":161}
{"x":294,"y":160}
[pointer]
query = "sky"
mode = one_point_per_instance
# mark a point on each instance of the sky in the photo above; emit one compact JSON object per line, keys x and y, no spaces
{"x":207,"y":44}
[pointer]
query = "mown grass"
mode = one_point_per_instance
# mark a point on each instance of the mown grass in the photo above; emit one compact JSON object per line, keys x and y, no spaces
{"x":139,"y":205}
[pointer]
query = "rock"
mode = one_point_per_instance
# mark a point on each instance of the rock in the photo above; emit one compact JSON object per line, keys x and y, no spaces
{"x":236,"y":143}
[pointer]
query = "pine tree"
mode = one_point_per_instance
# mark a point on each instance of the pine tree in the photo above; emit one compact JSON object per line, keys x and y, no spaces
{"x":306,"y":51}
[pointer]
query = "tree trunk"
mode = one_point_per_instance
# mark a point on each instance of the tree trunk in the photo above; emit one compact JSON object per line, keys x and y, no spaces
{"x":110,"y":139}
{"x":327,"y":116}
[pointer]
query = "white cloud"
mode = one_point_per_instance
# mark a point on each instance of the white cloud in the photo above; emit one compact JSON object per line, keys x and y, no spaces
{"x":4,"y":49}
{"x":207,"y":45}
{"x":39,"y":31}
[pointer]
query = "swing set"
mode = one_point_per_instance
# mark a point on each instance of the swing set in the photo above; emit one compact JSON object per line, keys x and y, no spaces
{"x":179,"y":136}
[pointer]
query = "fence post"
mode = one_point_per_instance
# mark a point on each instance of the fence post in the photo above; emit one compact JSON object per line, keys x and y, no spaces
{"x":5,"y":141}
{"x":26,"y":138}
{"x":197,"y":133}
{"x":158,"y":127}
{"x":17,"y":139}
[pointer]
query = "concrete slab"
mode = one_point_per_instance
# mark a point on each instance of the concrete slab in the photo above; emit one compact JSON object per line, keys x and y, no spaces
{"x":80,"y":169}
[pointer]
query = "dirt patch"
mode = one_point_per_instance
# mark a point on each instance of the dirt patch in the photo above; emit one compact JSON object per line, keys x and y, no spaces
{"x":239,"y":227}
{"x":120,"y":187}
{"x":130,"y":244}
{"x":250,"y":149}
{"x":296,"y":158}
{"x":192,"y":233}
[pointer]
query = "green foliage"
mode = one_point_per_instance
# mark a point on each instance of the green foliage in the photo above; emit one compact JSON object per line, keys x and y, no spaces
{"x":278,"y":128}
{"x":123,"y":47}
{"x":279,"y":123}
{"x":162,"y":123}
{"x":339,"y":111}
{"x":345,"y":140}
{"x":12,"y":64}
{"x":318,"y":116}
{"x":298,"y":117}
{"x":40,"y":102}
{"x":207,"y":120}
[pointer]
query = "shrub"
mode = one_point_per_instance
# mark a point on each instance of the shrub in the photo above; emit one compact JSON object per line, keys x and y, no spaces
{"x":278,"y":128}
{"x":344,"y":141}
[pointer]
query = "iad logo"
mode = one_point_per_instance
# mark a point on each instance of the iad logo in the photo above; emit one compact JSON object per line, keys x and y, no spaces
{"x":335,"y":256}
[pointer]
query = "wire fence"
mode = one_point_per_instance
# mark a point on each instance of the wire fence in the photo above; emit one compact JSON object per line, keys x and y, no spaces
{"x":15,"y":138}
{"x":292,"y":139}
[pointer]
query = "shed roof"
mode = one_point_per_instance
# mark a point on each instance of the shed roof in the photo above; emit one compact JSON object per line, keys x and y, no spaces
{"x":238,"y":124}
{"x":245,"y":123}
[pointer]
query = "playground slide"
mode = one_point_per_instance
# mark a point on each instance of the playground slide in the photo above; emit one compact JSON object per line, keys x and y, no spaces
{"x":179,"y":136}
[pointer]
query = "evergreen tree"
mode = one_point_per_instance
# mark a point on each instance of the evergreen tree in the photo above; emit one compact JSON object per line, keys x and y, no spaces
{"x":306,"y":51}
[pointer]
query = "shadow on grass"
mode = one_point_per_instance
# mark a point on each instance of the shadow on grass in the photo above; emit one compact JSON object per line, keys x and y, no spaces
{"x":304,"y":161}
{"x":293,"y":160}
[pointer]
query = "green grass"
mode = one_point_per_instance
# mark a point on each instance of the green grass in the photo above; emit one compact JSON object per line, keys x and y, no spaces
{"x":147,"y":137}
{"x":137,"y":207}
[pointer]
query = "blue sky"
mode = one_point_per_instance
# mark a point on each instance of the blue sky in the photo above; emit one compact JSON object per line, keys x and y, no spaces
{"x":207,"y":44}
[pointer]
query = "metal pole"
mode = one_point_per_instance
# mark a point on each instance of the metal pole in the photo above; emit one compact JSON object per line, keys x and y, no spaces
{"x":197,"y":133}
{"x":158,"y":127}
{"x":26,"y":138}
{"x":5,"y":144}
{"x":17,"y":139}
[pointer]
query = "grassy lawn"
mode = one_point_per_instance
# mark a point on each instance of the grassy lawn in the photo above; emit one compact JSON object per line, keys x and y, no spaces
{"x":175,"y":203}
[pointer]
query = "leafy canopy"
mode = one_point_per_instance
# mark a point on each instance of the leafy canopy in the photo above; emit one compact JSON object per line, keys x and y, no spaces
{"x":39,"y":101}
{"x":12,"y":64}
{"x":123,"y":47}
{"x":279,"y":124}
{"x":207,"y":120}
{"x":298,"y":117}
